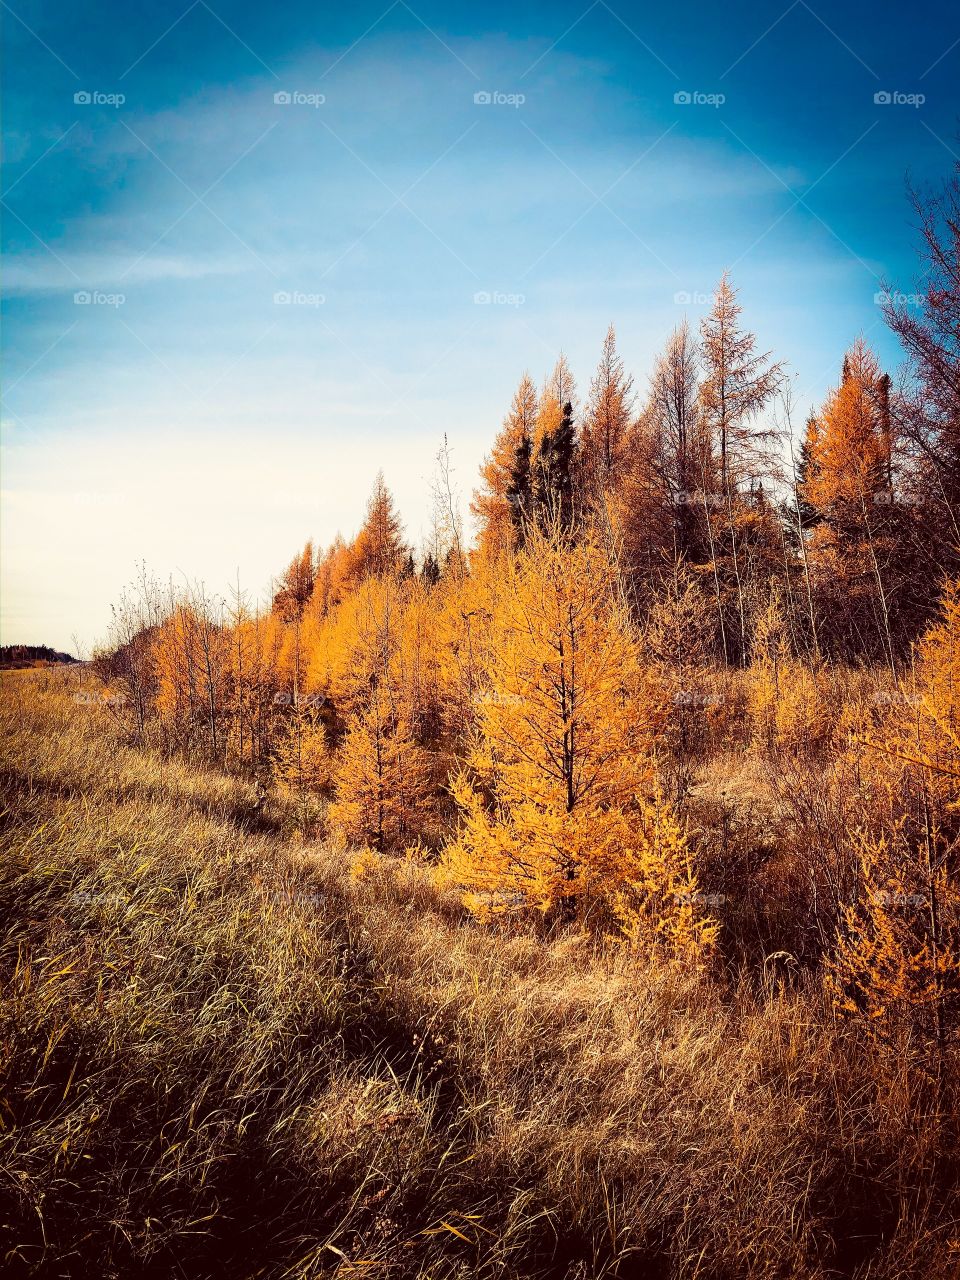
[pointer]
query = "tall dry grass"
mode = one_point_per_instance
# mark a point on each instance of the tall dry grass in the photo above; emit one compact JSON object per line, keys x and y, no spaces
{"x":225,"y":1055}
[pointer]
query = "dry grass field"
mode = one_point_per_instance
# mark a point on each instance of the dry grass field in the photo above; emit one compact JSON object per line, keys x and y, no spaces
{"x":227,"y":1054}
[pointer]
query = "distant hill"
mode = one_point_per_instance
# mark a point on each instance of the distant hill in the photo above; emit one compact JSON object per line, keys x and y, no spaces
{"x":27,"y":655}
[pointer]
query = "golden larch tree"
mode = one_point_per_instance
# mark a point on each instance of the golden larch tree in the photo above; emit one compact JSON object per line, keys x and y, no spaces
{"x":607,"y":423}
{"x":384,"y":788}
{"x":737,"y":385}
{"x":896,"y":962}
{"x":848,"y":445}
{"x":302,"y":765}
{"x":379,"y":549}
{"x":738,"y":382}
{"x":557,"y":803}
{"x":897,"y":958}
{"x":847,"y":491}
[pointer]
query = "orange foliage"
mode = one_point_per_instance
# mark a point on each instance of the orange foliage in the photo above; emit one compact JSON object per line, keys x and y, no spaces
{"x":526,"y":707}
{"x":848,"y":445}
{"x":384,"y":783}
{"x":897,"y":956}
{"x":555,"y":812}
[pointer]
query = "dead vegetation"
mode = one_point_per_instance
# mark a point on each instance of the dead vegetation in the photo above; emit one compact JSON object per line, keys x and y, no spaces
{"x":222,"y":1054}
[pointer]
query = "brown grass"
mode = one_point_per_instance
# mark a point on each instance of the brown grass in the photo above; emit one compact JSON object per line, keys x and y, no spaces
{"x":225,"y":1055}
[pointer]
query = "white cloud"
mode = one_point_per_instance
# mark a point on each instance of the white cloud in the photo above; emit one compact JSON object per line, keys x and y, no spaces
{"x":41,"y":273}
{"x":203,"y":429}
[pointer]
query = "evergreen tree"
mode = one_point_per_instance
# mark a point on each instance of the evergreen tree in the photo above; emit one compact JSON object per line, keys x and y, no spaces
{"x":519,"y":493}
{"x":810,"y":517}
{"x":493,"y":504}
{"x":553,"y":480}
{"x":430,"y":573}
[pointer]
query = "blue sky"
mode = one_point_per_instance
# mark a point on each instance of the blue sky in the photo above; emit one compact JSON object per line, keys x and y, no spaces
{"x":185,"y":416}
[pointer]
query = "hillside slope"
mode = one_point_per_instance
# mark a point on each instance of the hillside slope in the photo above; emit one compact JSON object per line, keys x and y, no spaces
{"x":222,"y":1054}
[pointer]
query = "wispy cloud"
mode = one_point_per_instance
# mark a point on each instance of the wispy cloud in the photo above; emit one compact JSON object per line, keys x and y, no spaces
{"x":217,"y":425}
